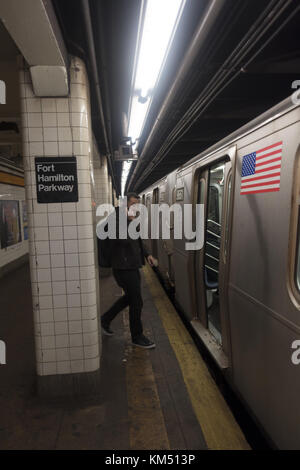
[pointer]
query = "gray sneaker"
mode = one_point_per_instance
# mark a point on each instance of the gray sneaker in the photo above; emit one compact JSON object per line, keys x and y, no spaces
{"x":143,"y":342}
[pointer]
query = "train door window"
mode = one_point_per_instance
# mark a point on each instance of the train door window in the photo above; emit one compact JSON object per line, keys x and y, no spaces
{"x":213,"y":247}
{"x":297,"y":274}
{"x":227,"y":218}
{"x":155,"y":200}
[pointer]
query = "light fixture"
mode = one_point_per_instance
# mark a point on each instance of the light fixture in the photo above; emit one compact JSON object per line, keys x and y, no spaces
{"x":158,"y":25}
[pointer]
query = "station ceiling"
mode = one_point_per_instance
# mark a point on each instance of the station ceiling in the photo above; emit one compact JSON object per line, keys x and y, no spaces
{"x":247,"y":64}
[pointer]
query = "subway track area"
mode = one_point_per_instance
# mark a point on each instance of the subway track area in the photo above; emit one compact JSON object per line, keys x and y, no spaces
{"x":162,"y":399}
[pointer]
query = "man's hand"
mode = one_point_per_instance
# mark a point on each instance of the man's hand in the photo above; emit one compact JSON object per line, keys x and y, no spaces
{"x":151,"y":261}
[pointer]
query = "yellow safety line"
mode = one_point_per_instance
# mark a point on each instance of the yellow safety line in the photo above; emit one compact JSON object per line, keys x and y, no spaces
{"x":146,"y":422}
{"x":8,"y":178}
{"x":219,"y":427}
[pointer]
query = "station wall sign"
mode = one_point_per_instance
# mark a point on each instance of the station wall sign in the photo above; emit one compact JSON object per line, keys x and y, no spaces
{"x":56,"y":179}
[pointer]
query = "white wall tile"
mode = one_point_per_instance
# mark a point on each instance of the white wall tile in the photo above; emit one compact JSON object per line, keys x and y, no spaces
{"x":74,"y":313}
{"x":77,"y":366}
{"x":56,"y":246}
{"x":40,"y":220}
{"x":72,"y":260}
{"x":49,"y":368}
{"x":72,"y":273}
{"x":87,"y":272}
{"x":91,"y":364}
{"x":91,"y":351}
{"x":90,"y":326}
{"x":58,"y":274}
{"x":86,"y":259}
{"x":90,"y":339}
{"x":41,"y":234}
{"x":71,"y":246}
{"x":75,"y":327}
{"x":65,"y":134}
{"x":74,"y":300}
{"x":59,"y":287}
{"x":57,"y":261}
{"x":60,"y":314}
{"x":88,"y":285}
{"x":63,"y":354}
{"x":47,"y":329}
{"x":64,"y":367}
{"x":85,"y":231}
{"x":49,"y":119}
{"x":50,"y":134}
{"x":62,"y":341}
{"x":69,"y":218}
{"x":76,"y":353}
{"x":60,"y":301}
{"x":43,"y":275}
{"x":51,"y":148}
{"x":46,"y":315}
{"x":48,"y":105}
{"x":34,"y":119}
{"x":75,"y":340}
{"x":56,"y":233}
{"x":49,"y":355}
{"x":61,"y":328}
{"x":35,"y":134}
{"x":85,"y":245}
{"x":55,"y":219}
{"x":62,"y":105}
{"x":33,"y":105}
{"x":73,"y":287}
{"x":84,"y":218}
{"x":48,"y":342}
{"x":43,"y":261}
{"x":63,"y":120}
{"x":65,"y":149}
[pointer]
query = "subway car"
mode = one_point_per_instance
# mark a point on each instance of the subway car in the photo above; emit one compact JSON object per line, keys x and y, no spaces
{"x":241,"y":290}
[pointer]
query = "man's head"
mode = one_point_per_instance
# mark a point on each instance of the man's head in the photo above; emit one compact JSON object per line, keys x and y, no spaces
{"x":132,"y":198}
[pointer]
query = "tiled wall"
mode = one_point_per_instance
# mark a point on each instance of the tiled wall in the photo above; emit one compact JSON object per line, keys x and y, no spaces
{"x":101,"y":178}
{"x":63,"y":263}
{"x":12,"y":253}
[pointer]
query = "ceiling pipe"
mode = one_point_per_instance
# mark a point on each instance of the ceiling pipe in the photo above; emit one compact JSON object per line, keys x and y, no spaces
{"x":231,"y":68}
{"x":93,"y":64}
{"x":210,"y":17}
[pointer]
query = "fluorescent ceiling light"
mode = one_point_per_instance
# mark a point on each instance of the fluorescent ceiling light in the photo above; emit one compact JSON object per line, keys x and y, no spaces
{"x":160,"y":21}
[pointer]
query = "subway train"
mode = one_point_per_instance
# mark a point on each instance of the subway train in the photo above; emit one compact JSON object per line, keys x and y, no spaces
{"x":241,"y":290}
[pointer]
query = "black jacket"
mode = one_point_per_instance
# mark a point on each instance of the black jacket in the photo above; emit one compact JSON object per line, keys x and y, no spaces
{"x":125,"y":253}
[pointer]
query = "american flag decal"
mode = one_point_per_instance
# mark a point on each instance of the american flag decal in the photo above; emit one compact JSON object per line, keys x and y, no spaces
{"x":261,"y":170}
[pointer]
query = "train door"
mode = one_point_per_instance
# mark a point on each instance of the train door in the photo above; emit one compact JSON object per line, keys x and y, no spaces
{"x":154,"y":243}
{"x":147,"y":241}
{"x":214,"y":191}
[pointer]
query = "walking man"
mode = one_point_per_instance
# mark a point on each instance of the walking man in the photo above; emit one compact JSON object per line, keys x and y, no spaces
{"x":127,"y":257}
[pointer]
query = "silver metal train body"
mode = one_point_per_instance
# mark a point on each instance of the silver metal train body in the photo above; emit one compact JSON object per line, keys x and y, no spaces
{"x":241,"y":291}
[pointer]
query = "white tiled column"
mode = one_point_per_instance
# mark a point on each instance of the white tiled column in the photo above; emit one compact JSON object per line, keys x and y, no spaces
{"x":101,"y":190}
{"x":63,"y":262}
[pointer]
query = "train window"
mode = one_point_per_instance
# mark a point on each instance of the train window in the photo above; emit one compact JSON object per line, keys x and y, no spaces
{"x":229,"y":186}
{"x":298,"y":257}
{"x":212,"y":247}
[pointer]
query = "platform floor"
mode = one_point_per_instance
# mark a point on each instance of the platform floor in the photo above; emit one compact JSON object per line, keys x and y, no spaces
{"x":163,"y":398}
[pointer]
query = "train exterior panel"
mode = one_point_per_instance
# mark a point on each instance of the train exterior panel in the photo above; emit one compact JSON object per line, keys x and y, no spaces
{"x":241,"y":291}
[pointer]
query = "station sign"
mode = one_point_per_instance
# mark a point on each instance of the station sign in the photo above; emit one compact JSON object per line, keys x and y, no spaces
{"x":56,"y":179}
